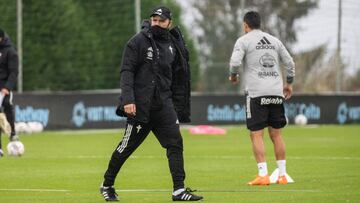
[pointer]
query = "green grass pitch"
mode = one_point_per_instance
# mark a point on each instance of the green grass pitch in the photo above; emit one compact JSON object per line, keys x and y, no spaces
{"x":67,"y":166}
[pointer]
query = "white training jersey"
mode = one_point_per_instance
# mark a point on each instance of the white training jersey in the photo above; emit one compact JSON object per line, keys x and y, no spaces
{"x":260,"y":55}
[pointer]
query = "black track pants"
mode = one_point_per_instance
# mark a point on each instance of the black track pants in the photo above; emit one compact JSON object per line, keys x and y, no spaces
{"x":8,"y":108}
{"x":164,"y":125}
{"x":9,"y":111}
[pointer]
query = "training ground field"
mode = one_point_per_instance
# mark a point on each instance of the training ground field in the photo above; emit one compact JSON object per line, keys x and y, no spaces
{"x":67,"y":166}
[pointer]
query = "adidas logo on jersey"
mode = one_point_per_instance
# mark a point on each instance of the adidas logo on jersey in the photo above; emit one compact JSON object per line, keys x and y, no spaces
{"x":264,"y":44}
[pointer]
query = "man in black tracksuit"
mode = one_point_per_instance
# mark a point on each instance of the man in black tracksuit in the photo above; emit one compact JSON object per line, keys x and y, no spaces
{"x":8,"y":76}
{"x":155,"y":84}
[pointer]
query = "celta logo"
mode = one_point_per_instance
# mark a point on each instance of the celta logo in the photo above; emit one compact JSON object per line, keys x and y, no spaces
{"x":171,"y":49}
{"x":267,"y":61}
{"x":138,"y":128}
{"x":150,"y":53}
{"x":264,"y":44}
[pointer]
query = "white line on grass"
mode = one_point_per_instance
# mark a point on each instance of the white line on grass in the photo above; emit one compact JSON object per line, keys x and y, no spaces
{"x":218,"y":190}
{"x":292,"y":190}
{"x":157,"y":190}
{"x":324,"y":158}
{"x":89,"y":131}
{"x":33,"y":190}
{"x":145,"y":190}
{"x":218,"y":157}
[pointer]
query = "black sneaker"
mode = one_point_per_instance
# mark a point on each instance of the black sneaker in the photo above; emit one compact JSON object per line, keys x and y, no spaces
{"x":187,"y":196}
{"x":109,"y":193}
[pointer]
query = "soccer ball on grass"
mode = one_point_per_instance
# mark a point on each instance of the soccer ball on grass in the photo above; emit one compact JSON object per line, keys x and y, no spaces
{"x":300,"y":119}
{"x":15,"y":148}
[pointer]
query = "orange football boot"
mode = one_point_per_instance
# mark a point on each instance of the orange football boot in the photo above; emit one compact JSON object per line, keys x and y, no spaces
{"x":260,"y":180}
{"x":282,"y":180}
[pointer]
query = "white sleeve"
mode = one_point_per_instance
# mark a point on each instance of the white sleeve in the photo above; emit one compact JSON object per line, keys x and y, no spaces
{"x":288,"y":61}
{"x":237,"y":56}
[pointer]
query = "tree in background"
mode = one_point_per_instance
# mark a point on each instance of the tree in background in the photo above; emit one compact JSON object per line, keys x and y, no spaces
{"x":8,"y":18}
{"x":353,"y":84}
{"x":307,"y":66}
{"x":221,"y":23}
{"x":77,"y":44}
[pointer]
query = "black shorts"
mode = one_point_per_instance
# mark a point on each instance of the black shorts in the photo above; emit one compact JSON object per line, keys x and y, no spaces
{"x":265,"y":111}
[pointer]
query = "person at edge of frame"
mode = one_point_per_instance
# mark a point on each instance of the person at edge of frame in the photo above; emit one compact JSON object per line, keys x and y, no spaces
{"x":9,"y":69}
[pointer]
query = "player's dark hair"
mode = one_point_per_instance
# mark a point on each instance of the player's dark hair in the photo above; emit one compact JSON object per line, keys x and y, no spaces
{"x":252,"y":19}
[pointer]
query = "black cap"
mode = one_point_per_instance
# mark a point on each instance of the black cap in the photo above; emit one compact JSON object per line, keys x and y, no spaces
{"x":162,"y":11}
{"x":2,"y":33}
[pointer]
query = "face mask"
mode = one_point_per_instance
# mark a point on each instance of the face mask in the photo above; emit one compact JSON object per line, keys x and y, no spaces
{"x":159,"y":32}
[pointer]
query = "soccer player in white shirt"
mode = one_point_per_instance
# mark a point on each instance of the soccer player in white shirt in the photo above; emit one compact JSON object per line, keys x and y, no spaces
{"x":260,"y":55}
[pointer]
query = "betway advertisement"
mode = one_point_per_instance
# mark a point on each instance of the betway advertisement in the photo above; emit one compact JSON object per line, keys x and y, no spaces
{"x":74,"y":110}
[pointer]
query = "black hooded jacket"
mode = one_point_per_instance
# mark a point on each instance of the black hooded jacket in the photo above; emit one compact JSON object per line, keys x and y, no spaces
{"x":9,"y":63}
{"x":139,"y":71}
